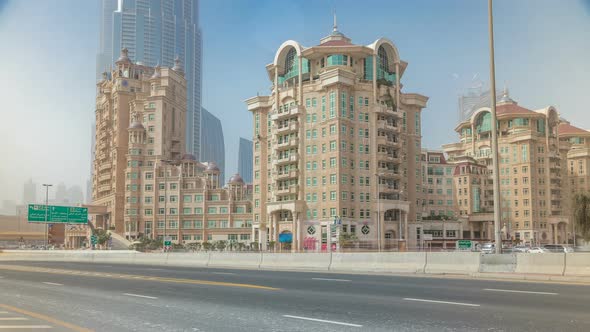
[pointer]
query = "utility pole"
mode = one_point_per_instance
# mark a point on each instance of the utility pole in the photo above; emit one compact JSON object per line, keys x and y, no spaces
{"x":378,"y":212}
{"x":496,"y":172}
{"x":46,"y":212}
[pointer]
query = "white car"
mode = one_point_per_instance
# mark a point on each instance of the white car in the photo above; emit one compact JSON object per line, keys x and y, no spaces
{"x":488,"y":248}
{"x":536,"y":250}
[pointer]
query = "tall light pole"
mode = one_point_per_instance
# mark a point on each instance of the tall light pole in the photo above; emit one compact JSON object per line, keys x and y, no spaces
{"x":378,"y":212}
{"x":46,"y":185}
{"x":496,"y":171}
{"x":165,"y":162}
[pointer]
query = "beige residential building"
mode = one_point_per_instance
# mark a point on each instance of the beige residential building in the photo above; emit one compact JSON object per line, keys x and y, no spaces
{"x":336,"y":139}
{"x":578,"y":156}
{"x":438,"y":205}
{"x":141,"y":173}
{"x":532,"y":164}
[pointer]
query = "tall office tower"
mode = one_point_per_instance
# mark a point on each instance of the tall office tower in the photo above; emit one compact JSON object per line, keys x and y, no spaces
{"x":155,"y":32}
{"x":245,"y":161}
{"x":29,"y":192}
{"x":532,"y":184}
{"x":336,"y":140}
{"x":213,"y":148}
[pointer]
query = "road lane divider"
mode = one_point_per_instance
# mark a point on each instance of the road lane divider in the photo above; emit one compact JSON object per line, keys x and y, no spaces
{"x":323,"y":321}
{"x":42,"y":317}
{"x":52,"y":283}
{"x":112,"y":275}
{"x":330,"y":279}
{"x":441,"y":302}
{"x":142,"y":296}
{"x":518,"y":291}
{"x":24,"y":327}
{"x":13,"y":318}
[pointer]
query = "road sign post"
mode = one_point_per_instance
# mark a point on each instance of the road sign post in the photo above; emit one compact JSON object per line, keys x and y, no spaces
{"x":464,"y":245}
{"x":40,"y":213}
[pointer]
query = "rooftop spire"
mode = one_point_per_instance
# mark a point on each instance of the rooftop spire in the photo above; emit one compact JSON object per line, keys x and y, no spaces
{"x":335,"y":26}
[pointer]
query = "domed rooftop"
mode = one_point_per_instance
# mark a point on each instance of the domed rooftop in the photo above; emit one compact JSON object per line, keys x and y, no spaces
{"x":212,"y":167}
{"x":124,"y":57}
{"x":188,"y":156}
{"x":136,"y":125}
{"x":157,"y":73}
{"x":177,"y":65}
{"x":236,"y":178}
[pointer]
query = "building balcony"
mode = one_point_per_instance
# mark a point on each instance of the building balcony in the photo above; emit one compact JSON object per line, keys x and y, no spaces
{"x":286,"y":175}
{"x":288,"y":144}
{"x":104,"y":166}
{"x":104,"y":177}
{"x":104,"y":188}
{"x":387,"y":173}
{"x":288,"y":129}
{"x":285,"y":160}
{"x":386,"y":110}
{"x":387,"y":189}
{"x":384,"y":156}
{"x":384,"y":140}
{"x":389,"y":126}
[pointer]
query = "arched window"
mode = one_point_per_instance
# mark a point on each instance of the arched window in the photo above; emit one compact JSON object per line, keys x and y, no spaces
{"x":383,"y":61}
{"x":292,"y":66}
{"x":290,"y":60}
{"x":484,"y":122}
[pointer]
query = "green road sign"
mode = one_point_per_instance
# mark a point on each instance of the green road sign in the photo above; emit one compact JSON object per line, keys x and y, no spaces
{"x":167,"y":243}
{"x":58,"y":214}
{"x":94,"y":239}
{"x":464,"y":244}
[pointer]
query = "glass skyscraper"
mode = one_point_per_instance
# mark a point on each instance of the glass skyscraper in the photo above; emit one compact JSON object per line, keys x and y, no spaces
{"x":245,"y":160}
{"x":213,"y":143}
{"x":156,"y":32}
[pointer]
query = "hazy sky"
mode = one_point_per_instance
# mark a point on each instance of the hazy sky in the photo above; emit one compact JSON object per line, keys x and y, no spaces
{"x":47,"y":63}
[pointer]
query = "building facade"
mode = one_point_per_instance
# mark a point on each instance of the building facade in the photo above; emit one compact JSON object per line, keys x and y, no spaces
{"x":29,"y":192}
{"x":532,"y":174}
{"x":149,"y":185}
{"x":155,"y":32}
{"x":213,"y":148}
{"x":438,"y":205}
{"x":245,"y":161}
{"x":578,"y":157}
{"x":336,"y":140}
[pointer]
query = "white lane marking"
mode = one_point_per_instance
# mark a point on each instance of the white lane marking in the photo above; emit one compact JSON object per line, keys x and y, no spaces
{"x":143,"y":296}
{"x":13,"y":318}
{"x":442,"y":302}
{"x":323,"y":321}
{"x":52,"y":283}
{"x":23,"y":327}
{"x":224,"y":273}
{"x":154,"y":269}
{"x":518,"y":291}
{"x":3,"y":312}
{"x":328,"y":279}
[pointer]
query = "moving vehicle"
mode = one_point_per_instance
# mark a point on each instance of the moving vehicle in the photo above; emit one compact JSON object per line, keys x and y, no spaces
{"x":557,"y":248}
{"x":536,"y":250}
{"x":488,"y":248}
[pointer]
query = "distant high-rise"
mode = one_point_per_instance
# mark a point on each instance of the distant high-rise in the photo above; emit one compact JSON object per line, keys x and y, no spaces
{"x":245,"y":160}
{"x":155,"y":32}
{"x":473,"y":100}
{"x":29,"y":192}
{"x":213,"y":147}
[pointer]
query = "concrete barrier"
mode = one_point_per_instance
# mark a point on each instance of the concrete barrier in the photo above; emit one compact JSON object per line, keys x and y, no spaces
{"x":452,"y":262}
{"x":387,"y":262}
{"x":296,"y":261}
{"x":111,"y":257}
{"x":189,"y":259}
{"x":143,"y":258}
{"x":494,"y":263}
{"x":546,"y":263}
{"x":249,"y":260}
{"x":577,"y":264}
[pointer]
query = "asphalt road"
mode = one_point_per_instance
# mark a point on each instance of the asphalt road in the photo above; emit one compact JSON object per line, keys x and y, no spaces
{"x":104,"y":297}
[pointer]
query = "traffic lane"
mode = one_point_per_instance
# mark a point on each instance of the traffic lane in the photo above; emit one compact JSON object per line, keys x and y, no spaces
{"x":378,"y":312}
{"x":520,"y":293}
{"x":104,"y":309}
{"x":17,"y":319}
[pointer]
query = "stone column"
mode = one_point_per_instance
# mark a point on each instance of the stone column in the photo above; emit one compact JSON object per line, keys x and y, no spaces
{"x":554,"y":229}
{"x":298,"y":232}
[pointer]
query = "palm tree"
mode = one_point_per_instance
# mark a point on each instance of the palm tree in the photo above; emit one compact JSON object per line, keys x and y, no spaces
{"x":581,"y":214}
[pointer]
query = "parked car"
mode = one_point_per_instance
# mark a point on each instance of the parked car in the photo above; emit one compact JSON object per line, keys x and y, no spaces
{"x":536,"y":250}
{"x":519,"y":249}
{"x":488,"y":248}
{"x":557,"y":248}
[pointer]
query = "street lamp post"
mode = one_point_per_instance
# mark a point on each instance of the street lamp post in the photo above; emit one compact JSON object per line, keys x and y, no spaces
{"x":496,"y":171}
{"x":378,"y":212}
{"x":165,"y":162}
{"x":46,"y":185}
